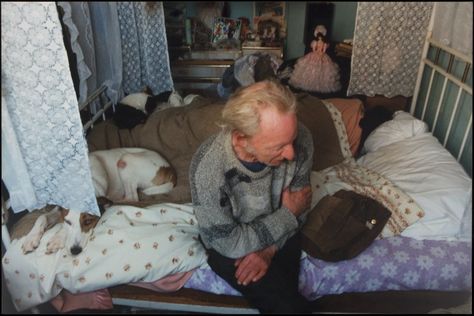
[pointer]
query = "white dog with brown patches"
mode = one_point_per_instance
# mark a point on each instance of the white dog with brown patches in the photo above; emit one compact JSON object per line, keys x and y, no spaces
{"x":74,"y":233}
{"x":119,"y":173}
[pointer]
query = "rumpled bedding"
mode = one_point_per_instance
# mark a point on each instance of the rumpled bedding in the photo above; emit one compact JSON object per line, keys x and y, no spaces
{"x":101,"y":299}
{"x":129,"y":245}
{"x":395,"y":263}
{"x":348,"y":175}
{"x":162,"y":240}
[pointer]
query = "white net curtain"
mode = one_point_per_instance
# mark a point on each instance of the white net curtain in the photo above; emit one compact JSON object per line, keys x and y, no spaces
{"x":453,"y":25}
{"x":44,"y":154}
{"x":388,"y":43}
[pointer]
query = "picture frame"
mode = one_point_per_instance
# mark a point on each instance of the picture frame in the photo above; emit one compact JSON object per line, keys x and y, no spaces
{"x":226,"y":28}
{"x":269,"y":8}
{"x":269,"y":17}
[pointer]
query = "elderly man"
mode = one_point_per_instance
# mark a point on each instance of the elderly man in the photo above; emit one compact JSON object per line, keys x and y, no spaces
{"x":250,"y":186}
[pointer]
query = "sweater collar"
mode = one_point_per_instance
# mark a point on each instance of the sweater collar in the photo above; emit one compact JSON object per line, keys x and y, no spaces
{"x":234,"y":161}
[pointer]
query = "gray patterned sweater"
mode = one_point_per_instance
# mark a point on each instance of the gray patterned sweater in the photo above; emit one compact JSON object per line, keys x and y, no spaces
{"x":240,"y":211}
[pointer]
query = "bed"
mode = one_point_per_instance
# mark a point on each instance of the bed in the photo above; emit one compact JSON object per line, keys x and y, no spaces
{"x":424,"y":251}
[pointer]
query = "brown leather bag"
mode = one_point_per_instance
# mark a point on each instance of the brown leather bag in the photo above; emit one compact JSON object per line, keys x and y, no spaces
{"x":341,"y":226}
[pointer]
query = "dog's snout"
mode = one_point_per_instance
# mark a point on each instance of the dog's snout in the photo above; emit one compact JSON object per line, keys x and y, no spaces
{"x":76,"y":250}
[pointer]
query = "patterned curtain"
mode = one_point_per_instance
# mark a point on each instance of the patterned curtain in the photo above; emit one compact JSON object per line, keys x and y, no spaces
{"x":95,"y":40}
{"x":144,"y":47}
{"x":453,"y":25}
{"x":44,"y":154}
{"x":388,"y":43}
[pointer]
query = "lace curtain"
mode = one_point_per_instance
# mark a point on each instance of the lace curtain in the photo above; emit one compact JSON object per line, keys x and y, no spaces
{"x":119,"y":44}
{"x":144,"y":47}
{"x":388,"y":43}
{"x":95,"y":40}
{"x":44,"y":154}
{"x":453,"y":25}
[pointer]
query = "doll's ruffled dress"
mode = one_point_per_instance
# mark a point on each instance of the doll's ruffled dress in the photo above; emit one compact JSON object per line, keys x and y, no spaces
{"x":316,"y":72}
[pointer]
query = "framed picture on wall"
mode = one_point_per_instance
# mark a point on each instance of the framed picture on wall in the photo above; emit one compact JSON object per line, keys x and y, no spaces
{"x":269,"y":22}
{"x":269,"y":8}
{"x":226,"y":28}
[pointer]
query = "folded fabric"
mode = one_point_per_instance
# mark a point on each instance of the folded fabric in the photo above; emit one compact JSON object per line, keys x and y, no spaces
{"x":342,"y":225}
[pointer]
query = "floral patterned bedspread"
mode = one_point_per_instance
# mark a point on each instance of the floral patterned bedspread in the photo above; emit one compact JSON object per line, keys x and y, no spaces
{"x":394,"y":263}
{"x":129,"y":244}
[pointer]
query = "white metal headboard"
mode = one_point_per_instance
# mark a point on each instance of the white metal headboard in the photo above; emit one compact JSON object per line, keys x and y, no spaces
{"x":95,"y":108}
{"x":433,"y":65}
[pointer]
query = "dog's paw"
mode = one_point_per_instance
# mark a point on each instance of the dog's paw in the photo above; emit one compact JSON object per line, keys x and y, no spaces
{"x":54,"y":245}
{"x":31,"y":243}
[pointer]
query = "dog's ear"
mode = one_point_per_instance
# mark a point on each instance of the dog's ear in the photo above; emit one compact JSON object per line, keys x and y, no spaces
{"x":55,"y":214}
{"x":147,"y":90}
{"x":104,"y":203}
{"x":164,"y":175}
{"x":88,"y":221}
{"x":63,"y":211}
{"x":164,"y":96}
{"x":152,"y":103}
{"x":127,"y":117}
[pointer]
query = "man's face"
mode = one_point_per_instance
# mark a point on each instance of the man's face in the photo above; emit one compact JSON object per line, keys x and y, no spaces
{"x":273,"y":144}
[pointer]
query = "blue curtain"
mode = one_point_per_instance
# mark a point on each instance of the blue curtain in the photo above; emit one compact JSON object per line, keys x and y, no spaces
{"x":144,"y":47}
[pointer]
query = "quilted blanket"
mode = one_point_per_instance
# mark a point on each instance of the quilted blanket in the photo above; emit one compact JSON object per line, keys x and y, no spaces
{"x":129,"y":244}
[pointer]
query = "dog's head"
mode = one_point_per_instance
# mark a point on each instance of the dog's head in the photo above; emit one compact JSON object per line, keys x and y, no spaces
{"x":78,"y":226}
{"x":165,"y":174}
{"x":164,"y":181}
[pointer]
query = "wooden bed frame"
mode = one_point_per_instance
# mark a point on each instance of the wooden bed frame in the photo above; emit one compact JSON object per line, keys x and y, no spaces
{"x":131,"y":298}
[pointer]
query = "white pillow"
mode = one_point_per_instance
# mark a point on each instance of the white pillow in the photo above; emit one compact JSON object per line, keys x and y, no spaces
{"x":427,"y":172}
{"x":402,"y":126}
{"x":465,"y":232}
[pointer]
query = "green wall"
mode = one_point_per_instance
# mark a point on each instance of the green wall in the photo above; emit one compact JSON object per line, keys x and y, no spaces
{"x":344,"y":20}
{"x":342,"y":28}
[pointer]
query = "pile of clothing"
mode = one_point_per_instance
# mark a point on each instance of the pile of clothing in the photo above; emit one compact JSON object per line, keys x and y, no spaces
{"x":249,"y":69}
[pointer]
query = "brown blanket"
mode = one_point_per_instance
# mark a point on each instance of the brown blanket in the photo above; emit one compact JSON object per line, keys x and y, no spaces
{"x":176,"y":133}
{"x":315,"y":116}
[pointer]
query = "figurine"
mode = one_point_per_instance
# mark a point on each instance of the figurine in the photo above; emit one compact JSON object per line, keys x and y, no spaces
{"x":315,"y":71}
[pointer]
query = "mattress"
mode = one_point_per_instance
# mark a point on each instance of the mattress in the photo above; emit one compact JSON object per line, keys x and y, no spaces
{"x":394,"y":263}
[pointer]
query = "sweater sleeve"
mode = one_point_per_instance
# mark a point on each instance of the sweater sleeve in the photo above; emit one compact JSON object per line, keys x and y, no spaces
{"x":221,"y":231}
{"x":304,"y":162}
{"x":301,"y":176}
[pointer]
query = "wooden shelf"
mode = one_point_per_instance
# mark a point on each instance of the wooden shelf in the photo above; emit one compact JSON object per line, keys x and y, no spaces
{"x":192,"y":72}
{"x":196,"y":79}
{"x":275,"y":50}
{"x":214,"y":63}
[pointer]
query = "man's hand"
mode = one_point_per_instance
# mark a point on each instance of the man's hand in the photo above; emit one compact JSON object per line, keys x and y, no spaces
{"x":297,"y":201}
{"x":253,"y":266}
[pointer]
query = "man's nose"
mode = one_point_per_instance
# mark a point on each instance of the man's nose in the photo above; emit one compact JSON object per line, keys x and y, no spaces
{"x":289,"y":152}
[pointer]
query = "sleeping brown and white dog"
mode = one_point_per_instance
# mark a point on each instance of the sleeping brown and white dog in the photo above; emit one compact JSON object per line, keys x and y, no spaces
{"x":117,"y":176}
{"x":73,"y":234}
{"x":119,"y":173}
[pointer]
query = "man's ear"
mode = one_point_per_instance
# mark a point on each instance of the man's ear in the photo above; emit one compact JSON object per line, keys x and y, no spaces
{"x":239,"y":139}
